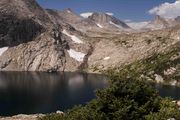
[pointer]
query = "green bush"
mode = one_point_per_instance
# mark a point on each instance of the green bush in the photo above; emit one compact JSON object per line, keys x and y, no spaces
{"x":52,"y":116}
{"x":128,"y":99}
{"x":167,"y":110}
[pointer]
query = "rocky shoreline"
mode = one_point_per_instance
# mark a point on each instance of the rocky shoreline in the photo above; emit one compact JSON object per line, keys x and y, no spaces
{"x":23,"y":117}
{"x":37,"y":116}
{"x":27,"y":117}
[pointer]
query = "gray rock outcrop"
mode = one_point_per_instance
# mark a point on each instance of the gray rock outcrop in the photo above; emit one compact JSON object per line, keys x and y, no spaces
{"x":35,"y":40}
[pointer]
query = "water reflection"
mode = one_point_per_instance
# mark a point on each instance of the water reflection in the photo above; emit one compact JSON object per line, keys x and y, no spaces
{"x":37,"y":92}
{"x":168,"y":91}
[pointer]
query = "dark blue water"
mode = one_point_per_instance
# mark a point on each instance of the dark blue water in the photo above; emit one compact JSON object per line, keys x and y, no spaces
{"x":168,"y":91}
{"x":32,"y":92}
{"x":39,"y":92}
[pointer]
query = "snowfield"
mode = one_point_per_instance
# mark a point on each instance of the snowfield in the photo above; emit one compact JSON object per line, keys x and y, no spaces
{"x":73,"y":37}
{"x":106,"y":58}
{"x":2,"y":50}
{"x":76,"y":55}
{"x":99,"y":25}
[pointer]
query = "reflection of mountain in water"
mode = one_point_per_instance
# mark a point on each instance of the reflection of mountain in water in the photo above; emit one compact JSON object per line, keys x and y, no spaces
{"x":37,"y":92}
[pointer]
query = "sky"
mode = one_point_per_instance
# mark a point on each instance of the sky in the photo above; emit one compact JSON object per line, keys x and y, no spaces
{"x":134,"y":10}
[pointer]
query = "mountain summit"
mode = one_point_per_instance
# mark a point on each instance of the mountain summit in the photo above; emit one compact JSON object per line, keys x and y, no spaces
{"x":108,"y":21}
{"x":158,"y":23}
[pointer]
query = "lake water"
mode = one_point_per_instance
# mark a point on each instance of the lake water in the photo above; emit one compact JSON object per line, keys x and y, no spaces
{"x":39,"y":92}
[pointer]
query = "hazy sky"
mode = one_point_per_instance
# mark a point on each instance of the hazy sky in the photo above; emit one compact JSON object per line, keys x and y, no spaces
{"x":135,"y":10}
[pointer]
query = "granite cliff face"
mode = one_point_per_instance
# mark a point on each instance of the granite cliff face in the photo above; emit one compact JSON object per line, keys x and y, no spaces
{"x":32,"y":40}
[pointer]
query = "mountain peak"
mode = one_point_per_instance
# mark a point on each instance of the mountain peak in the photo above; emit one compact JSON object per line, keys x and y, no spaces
{"x":100,"y":17}
{"x":68,"y":10}
{"x":69,"y":15}
{"x":108,"y":20}
{"x":160,"y":20}
{"x":99,"y":14}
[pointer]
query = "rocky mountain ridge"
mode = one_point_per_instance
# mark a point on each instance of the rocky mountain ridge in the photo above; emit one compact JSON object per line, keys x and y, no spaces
{"x":97,"y":21}
{"x":34,"y":40}
{"x":155,"y":24}
{"x":51,"y":40}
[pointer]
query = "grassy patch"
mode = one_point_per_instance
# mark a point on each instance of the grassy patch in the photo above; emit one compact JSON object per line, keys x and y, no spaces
{"x":155,"y":64}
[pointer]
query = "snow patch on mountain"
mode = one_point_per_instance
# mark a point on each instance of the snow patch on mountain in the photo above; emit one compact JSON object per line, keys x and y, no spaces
{"x":76,"y":55}
{"x":2,"y":50}
{"x":68,"y":11}
{"x":106,"y":58}
{"x":99,"y":25}
{"x":73,"y":37}
{"x":86,"y":15}
{"x":108,"y":13}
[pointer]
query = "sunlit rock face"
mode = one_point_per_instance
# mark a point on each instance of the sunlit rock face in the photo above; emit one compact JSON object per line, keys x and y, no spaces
{"x":35,"y":40}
